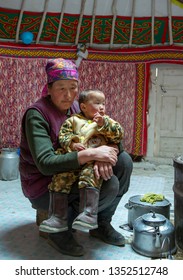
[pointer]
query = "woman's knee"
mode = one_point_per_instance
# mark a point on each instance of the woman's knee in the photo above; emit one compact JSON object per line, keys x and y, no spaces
{"x":123,"y":165}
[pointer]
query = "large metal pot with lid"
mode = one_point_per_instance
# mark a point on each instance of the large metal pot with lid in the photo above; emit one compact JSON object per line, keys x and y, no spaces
{"x":137,"y":208}
{"x":153,"y":236}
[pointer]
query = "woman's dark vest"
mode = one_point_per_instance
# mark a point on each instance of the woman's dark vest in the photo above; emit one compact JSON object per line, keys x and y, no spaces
{"x":34,"y":183}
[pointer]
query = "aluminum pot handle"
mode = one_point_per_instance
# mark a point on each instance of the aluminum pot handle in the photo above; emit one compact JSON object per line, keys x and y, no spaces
{"x":128,"y":206}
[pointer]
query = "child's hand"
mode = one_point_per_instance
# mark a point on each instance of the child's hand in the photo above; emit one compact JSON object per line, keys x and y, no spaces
{"x":77,"y":147}
{"x":99,"y":119}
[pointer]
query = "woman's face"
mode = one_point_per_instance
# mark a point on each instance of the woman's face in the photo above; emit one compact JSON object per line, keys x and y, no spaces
{"x":63,"y":93}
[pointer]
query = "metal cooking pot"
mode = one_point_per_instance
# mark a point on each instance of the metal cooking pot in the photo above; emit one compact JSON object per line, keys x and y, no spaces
{"x":137,"y":208}
{"x":153,"y":236}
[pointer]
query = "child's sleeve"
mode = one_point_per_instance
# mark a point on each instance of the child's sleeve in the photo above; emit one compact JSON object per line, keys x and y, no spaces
{"x":67,"y":134}
{"x":112,"y":130}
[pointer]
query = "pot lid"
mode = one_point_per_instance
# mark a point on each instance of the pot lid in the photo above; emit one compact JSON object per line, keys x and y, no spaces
{"x":136,"y":200}
{"x":153,"y":219}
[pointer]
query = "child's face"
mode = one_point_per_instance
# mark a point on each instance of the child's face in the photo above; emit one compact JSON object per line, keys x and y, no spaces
{"x":94,"y":104}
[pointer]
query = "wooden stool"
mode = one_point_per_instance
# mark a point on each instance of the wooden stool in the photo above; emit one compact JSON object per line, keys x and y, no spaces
{"x":41,"y":215}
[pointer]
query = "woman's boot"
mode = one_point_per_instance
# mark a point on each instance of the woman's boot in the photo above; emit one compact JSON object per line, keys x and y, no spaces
{"x":58,"y":214}
{"x":87,"y":219}
{"x":65,"y":243}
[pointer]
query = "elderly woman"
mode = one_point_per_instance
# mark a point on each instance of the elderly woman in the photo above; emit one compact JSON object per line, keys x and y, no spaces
{"x":39,"y":162}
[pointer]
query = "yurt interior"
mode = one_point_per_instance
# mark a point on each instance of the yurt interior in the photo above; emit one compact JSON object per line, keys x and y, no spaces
{"x":132,"y":50}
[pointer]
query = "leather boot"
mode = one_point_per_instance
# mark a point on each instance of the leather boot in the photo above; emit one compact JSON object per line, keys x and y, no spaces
{"x":87,"y":219}
{"x":65,"y":243}
{"x":108,"y":234}
{"x":58,"y":214}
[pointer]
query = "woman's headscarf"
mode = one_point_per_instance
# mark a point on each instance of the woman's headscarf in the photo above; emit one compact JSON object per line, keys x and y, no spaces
{"x":59,"y":69}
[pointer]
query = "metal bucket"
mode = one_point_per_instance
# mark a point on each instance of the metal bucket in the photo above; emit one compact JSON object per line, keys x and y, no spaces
{"x":9,"y":164}
{"x":178,"y":200}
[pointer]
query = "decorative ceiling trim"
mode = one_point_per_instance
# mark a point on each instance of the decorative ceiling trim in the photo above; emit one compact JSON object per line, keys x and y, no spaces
{"x":146,"y":55}
{"x":113,"y":31}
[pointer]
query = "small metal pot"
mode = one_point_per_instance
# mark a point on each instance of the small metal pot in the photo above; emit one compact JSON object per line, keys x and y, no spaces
{"x":153,"y":236}
{"x":137,"y":208}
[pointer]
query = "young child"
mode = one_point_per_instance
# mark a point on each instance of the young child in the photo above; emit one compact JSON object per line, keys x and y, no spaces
{"x":90,"y":128}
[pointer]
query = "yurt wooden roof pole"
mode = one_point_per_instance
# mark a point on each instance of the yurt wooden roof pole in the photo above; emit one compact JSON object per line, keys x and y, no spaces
{"x":132,"y":23}
{"x":42,"y":21}
{"x":20,"y":20}
{"x":60,"y":22}
{"x":113,"y":22}
{"x":93,"y":21}
{"x":80,"y":21}
{"x":170,"y":21}
{"x":152,"y":21}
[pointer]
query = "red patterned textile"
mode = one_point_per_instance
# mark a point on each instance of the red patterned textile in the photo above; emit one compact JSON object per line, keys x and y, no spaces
{"x":22,"y":80}
{"x":118,"y":82}
{"x":122,"y":74}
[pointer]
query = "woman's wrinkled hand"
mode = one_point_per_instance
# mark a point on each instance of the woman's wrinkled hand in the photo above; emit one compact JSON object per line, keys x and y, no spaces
{"x":103,"y":170}
{"x":103,"y":154}
{"x":106,"y":154}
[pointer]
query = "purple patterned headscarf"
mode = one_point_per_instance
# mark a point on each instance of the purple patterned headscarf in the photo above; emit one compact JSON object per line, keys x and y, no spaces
{"x":60,"y":69}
